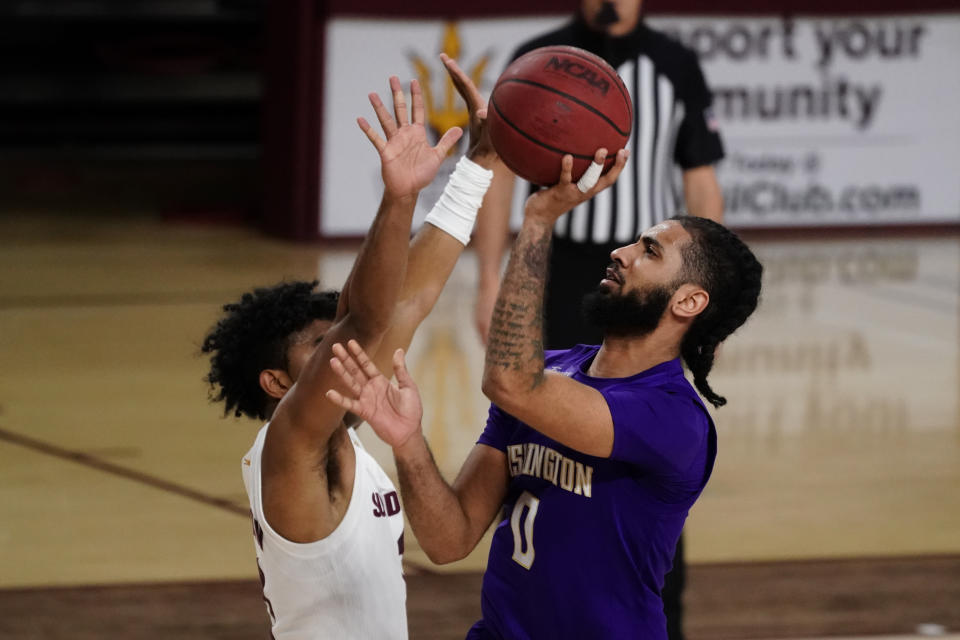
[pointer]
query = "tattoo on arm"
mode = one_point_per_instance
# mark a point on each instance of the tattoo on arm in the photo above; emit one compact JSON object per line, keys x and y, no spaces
{"x":516,"y":330}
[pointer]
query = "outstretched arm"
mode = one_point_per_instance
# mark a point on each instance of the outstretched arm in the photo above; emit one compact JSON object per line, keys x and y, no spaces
{"x":297,"y":494}
{"x":447,"y":520}
{"x":571,"y":413}
{"x":407,"y":165}
{"x":434,"y":251}
{"x":490,"y":243}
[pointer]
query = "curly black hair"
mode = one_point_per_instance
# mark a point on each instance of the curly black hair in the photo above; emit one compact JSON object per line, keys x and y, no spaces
{"x":719,"y":261}
{"x":253,"y":335}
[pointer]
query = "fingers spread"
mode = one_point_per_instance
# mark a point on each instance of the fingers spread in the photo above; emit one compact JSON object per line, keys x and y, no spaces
{"x":378,"y":142}
{"x":342,"y":401}
{"x":416,"y":95}
{"x":344,"y":366}
{"x":383,"y":115}
{"x":369,"y":369}
{"x":399,"y":100}
{"x":348,"y":378}
{"x":448,"y":140}
{"x":349,"y":363}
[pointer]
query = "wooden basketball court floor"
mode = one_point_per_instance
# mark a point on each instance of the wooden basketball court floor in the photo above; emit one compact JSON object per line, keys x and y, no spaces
{"x":834,"y":508}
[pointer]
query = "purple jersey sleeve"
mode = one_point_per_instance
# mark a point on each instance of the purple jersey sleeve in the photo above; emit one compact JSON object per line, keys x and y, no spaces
{"x":500,"y":424}
{"x":656,"y":430}
{"x":499,"y":427}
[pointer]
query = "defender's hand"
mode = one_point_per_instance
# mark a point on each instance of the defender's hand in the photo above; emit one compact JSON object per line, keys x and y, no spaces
{"x":393,"y":411}
{"x":480,"y":149}
{"x":408,"y":162}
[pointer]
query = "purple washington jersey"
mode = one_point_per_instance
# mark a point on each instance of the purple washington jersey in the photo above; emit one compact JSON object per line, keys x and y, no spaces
{"x":584,"y":542}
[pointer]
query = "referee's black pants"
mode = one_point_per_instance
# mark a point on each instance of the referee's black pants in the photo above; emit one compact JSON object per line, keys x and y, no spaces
{"x":576,"y":269}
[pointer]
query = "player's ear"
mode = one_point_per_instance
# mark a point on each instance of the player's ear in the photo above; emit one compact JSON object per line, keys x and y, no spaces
{"x":275,"y":382}
{"x":690,"y":300}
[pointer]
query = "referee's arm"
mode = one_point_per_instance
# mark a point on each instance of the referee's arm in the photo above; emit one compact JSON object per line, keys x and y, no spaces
{"x":698,"y":145}
{"x":702,"y":193}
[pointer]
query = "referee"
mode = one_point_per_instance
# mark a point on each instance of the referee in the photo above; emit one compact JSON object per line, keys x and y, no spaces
{"x":672,"y":125}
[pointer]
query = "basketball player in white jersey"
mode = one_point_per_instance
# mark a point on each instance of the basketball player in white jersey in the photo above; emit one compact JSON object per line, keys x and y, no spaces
{"x":326,"y":518}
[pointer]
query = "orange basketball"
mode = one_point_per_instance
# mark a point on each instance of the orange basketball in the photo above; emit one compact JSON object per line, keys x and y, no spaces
{"x":553,"y":101}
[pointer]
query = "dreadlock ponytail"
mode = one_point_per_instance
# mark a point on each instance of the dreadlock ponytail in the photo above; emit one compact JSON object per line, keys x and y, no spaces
{"x":718,"y":260}
{"x":699,"y":359}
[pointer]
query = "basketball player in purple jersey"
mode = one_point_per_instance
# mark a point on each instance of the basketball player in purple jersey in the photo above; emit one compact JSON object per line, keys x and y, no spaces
{"x":595,"y":454}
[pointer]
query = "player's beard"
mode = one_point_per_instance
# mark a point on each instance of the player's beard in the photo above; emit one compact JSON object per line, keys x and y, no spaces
{"x":631,"y":314}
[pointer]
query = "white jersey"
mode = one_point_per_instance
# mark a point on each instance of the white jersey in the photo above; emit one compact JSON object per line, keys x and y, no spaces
{"x":347,"y":585}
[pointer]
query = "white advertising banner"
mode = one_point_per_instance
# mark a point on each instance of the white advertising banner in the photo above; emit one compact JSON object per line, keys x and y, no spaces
{"x":839,"y":121}
{"x":360,"y":56}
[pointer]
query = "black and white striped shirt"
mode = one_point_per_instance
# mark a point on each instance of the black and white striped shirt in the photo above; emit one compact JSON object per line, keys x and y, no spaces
{"x":672,"y":125}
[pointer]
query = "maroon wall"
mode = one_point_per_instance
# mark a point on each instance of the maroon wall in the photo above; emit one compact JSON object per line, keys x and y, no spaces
{"x":447,"y":9}
{"x":292,"y":98}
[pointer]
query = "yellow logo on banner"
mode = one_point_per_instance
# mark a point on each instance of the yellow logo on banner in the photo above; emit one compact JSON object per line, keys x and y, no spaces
{"x":451,"y":111}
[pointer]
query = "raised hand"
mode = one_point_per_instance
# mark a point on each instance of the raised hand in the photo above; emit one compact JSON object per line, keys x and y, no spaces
{"x":393,"y":411}
{"x":480,"y":148}
{"x":565,"y":195}
{"x":407,"y":161}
